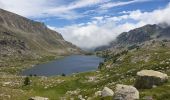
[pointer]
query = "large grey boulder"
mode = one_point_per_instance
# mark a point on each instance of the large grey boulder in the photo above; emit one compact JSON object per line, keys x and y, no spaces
{"x":126,"y":92}
{"x":147,"y":79}
{"x":107,"y":92}
{"x":38,"y":98}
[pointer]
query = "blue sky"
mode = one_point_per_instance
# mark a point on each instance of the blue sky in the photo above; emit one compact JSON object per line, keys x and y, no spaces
{"x":91,"y":23}
{"x":92,"y":11}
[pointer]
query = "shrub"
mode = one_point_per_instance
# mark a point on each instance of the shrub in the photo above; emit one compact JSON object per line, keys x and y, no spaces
{"x":30,"y":75}
{"x":165,"y":40}
{"x":27,"y":81}
{"x":100,"y":65}
{"x":63,"y":74}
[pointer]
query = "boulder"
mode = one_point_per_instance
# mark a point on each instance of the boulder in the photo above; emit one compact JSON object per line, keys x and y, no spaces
{"x":80,"y":97}
{"x":107,"y":92}
{"x":92,"y":79}
{"x":147,"y":79}
{"x":98,"y":93}
{"x":126,"y":92}
{"x":38,"y":98}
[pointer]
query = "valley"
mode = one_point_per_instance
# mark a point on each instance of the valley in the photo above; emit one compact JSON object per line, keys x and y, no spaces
{"x":117,"y":69}
{"x":37,"y":63}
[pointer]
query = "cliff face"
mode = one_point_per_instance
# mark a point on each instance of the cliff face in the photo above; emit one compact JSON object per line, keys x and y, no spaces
{"x":24,"y":38}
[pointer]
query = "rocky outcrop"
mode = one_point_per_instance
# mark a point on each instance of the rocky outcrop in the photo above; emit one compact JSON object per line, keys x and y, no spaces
{"x":149,"y":78}
{"x":38,"y":98}
{"x":107,"y":92}
{"x":126,"y":92}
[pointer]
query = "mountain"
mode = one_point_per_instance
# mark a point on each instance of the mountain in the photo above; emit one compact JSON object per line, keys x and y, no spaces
{"x":139,"y":35}
{"x":22,"y":38}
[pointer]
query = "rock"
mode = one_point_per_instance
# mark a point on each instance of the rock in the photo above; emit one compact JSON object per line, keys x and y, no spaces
{"x":6,"y":83}
{"x":147,"y":98}
{"x":38,"y":98}
{"x":75,"y":92}
{"x":154,"y":86}
{"x":81,"y":97}
{"x":147,"y":79}
{"x":89,"y":98}
{"x":92,"y":78}
{"x":107,"y":75}
{"x":86,"y":97}
{"x":98,"y":93}
{"x":107,"y":92}
{"x":45,"y":87}
{"x":108,"y":66}
{"x":126,"y":92}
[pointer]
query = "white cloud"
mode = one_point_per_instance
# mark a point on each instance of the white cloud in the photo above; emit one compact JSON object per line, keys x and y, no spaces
{"x":104,"y":29}
{"x":155,"y":17}
{"x":67,"y":11}
{"x":56,"y":8}
{"x":119,"y":3}
{"x":45,"y":8}
{"x":95,"y":33}
{"x":24,"y":7}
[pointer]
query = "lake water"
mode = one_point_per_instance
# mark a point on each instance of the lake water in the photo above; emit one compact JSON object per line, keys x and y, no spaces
{"x":66,"y":65}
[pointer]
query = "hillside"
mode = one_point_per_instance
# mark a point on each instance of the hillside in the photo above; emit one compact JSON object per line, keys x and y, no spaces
{"x":22,"y":39}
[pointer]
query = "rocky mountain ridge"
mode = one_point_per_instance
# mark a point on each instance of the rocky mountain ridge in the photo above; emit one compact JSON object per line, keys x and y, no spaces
{"x":22,"y":38}
{"x":139,"y":35}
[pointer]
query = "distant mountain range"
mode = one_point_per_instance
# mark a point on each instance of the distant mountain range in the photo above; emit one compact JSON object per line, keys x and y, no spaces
{"x":24,"y":38}
{"x":139,"y":35}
